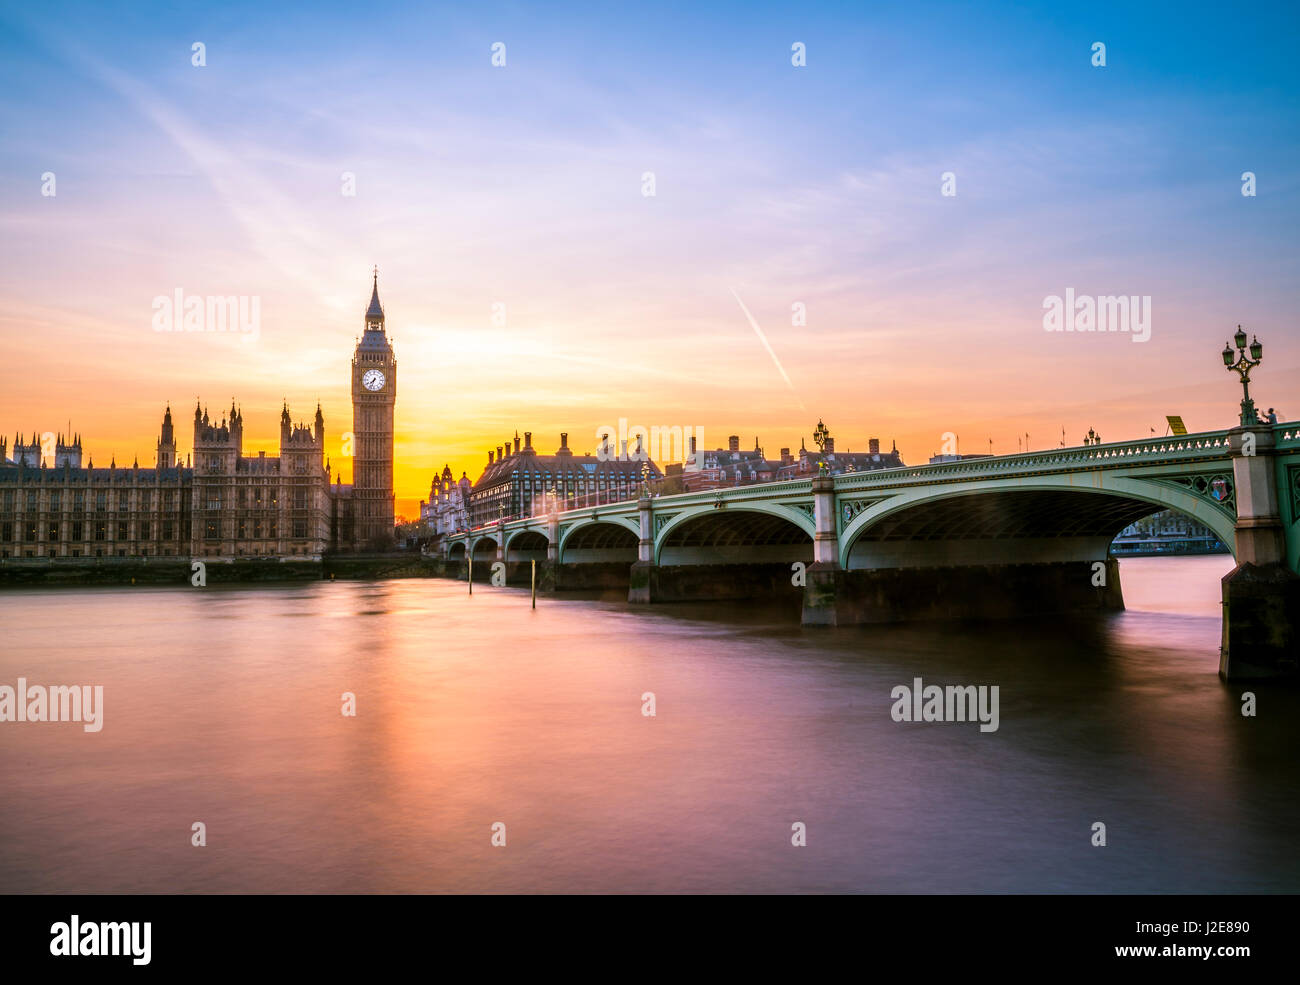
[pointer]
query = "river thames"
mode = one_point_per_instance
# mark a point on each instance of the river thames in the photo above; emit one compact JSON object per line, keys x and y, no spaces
{"x":223,"y":706}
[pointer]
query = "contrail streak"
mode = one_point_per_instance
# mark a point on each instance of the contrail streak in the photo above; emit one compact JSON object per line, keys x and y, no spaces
{"x":763,"y":338}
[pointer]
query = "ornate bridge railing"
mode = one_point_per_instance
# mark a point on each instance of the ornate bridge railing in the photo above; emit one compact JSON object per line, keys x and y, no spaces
{"x":1209,"y":445}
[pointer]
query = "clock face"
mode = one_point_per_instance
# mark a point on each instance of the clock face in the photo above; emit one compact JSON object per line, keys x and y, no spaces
{"x":373,"y":380}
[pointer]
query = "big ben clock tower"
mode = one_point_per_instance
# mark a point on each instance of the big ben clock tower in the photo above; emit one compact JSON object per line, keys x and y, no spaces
{"x":374,"y":392}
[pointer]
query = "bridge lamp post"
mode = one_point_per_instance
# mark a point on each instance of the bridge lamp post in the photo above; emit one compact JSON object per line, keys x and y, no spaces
{"x":1242,"y":365}
{"x":820,"y":434}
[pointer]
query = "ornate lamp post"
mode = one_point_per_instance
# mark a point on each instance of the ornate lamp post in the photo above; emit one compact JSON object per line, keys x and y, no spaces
{"x":1243,"y":364}
{"x":820,"y":435}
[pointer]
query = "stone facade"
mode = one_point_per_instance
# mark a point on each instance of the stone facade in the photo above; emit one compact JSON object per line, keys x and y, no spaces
{"x":520,"y":482}
{"x":221,"y":503}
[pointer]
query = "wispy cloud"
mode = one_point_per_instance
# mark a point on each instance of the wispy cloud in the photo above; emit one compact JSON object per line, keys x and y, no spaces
{"x":768,"y":346}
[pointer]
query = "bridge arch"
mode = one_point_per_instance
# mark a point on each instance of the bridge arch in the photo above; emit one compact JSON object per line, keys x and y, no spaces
{"x":526,"y":545}
{"x":604,"y":538}
{"x":752,"y":533}
{"x":456,"y":550}
{"x":485,"y":546}
{"x":1049,"y":518}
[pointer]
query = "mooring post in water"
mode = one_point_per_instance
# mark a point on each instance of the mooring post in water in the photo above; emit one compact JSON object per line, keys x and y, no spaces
{"x":470,"y":579}
{"x":534,"y":563}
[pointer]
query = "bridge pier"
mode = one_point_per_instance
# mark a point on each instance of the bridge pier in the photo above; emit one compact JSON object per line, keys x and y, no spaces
{"x":1261,"y":596}
{"x":643,"y":578}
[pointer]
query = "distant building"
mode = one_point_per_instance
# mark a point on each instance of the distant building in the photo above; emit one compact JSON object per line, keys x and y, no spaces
{"x":838,"y":462}
{"x":1167,"y":532}
{"x":720,"y":468}
{"x":224,"y":504}
{"x":447,"y":509}
{"x":248,"y":505}
{"x":520,"y":482}
{"x":221,"y":502}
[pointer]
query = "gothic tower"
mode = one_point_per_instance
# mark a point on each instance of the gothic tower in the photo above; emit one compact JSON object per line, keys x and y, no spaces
{"x":374,"y":392}
{"x":166,"y":442}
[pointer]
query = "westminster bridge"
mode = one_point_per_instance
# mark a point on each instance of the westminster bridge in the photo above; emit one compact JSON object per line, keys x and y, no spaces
{"x":989,"y":537}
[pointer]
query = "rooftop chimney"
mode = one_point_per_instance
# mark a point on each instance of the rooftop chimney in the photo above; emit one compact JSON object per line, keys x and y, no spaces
{"x":830,"y":446}
{"x":786,"y":457}
{"x":528,"y":441}
{"x":874,"y":445}
{"x":516,"y":443}
{"x":733,"y":443}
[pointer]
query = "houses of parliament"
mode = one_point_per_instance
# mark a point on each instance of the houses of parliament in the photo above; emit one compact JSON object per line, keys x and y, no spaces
{"x":220,"y":503}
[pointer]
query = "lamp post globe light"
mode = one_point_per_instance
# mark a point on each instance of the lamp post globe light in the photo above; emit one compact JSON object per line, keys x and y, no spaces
{"x":1242,"y":364}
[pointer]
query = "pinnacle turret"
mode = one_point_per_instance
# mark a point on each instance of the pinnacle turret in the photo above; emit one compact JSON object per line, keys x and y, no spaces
{"x":376,"y":310}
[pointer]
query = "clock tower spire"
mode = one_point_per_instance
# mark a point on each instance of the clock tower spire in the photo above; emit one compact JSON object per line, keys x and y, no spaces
{"x":374,"y":393}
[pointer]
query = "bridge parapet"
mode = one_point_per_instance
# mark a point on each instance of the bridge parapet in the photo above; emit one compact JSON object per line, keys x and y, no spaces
{"x":1187,"y":448}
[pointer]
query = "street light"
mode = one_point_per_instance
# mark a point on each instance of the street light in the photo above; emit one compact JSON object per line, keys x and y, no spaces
{"x":1242,"y":365}
{"x":820,"y":435}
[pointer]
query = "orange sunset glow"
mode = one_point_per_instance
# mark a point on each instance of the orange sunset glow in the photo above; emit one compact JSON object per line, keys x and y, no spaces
{"x":536,"y":278}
